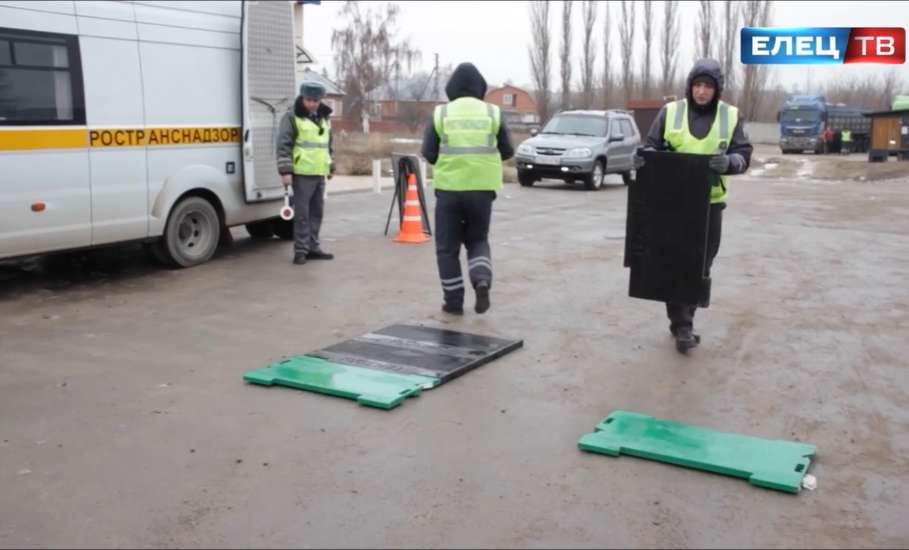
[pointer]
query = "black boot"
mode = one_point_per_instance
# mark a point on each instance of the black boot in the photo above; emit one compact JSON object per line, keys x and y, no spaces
{"x":482,"y":304}
{"x":685,"y":339}
{"x":452,"y":309}
{"x":320,"y":255}
{"x":299,"y":259}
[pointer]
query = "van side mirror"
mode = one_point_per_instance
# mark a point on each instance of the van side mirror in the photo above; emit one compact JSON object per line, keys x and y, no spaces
{"x":616,"y":138}
{"x":534,"y":131}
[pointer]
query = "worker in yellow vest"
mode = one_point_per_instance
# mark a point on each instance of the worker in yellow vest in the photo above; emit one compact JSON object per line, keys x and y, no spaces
{"x":304,"y":161}
{"x":845,"y":142}
{"x":466,"y":140}
{"x":702,"y":124}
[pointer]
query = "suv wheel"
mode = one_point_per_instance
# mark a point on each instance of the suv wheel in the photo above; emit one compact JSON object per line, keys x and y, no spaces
{"x":594,"y":180}
{"x":526,"y":179}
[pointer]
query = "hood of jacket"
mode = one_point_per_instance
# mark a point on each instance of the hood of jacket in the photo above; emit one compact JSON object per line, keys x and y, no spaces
{"x":705,"y":67}
{"x":466,"y":81}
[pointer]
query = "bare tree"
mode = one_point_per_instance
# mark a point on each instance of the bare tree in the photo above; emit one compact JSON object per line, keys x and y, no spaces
{"x":648,"y":43}
{"x":607,"y":68}
{"x":589,"y":11}
{"x":419,"y":86}
{"x":565,"y":54}
{"x":755,"y":13}
{"x":873,"y":92}
{"x":705,"y":29}
{"x":539,"y":56}
{"x":367,"y":53}
{"x":626,"y":35}
{"x":891,"y":83}
{"x":727,"y":48}
{"x":853,"y":92}
{"x":670,"y":44}
{"x":414,"y":114}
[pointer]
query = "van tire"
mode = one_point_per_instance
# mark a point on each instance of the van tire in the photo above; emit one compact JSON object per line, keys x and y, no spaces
{"x":261,"y":230}
{"x":191,"y":235}
{"x":283,"y":229}
{"x":156,"y":249}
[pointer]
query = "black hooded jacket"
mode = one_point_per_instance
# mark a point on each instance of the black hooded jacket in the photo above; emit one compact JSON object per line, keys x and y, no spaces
{"x":466,"y":81}
{"x":700,"y":119}
{"x":287,"y":132}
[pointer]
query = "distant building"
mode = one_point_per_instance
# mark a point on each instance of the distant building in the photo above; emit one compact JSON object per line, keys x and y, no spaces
{"x":398,"y":107}
{"x":889,"y":135}
{"x":645,"y":111}
{"x":518,"y":106}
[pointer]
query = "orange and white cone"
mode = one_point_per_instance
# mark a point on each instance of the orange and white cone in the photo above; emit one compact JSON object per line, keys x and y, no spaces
{"x":412,"y":224}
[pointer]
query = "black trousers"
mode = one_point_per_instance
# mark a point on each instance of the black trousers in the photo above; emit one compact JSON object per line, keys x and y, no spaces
{"x":682,"y":315}
{"x":462,"y":217}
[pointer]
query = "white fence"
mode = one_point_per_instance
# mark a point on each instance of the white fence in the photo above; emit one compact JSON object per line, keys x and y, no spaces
{"x":763,"y":132}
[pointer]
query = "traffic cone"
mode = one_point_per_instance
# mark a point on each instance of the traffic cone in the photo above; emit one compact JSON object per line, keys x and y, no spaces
{"x":412,"y":225}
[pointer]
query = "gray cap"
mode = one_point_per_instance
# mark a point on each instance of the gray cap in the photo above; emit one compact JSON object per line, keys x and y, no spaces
{"x":312,"y":89}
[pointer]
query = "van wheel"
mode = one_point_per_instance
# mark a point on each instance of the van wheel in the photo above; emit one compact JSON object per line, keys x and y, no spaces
{"x":594,"y":180}
{"x":629,"y":177}
{"x":261,"y":230}
{"x":156,"y":249}
{"x":284,"y":229}
{"x":191,"y":235}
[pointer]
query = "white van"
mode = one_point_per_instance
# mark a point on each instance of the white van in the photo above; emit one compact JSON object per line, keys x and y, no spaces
{"x":141,"y":121}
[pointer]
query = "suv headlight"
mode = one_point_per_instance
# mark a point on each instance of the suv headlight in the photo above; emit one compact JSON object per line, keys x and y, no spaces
{"x":579,"y":153}
{"x":525,"y":149}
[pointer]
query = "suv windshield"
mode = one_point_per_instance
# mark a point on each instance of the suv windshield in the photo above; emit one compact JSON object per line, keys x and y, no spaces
{"x":800,"y":116}
{"x":578,"y":125}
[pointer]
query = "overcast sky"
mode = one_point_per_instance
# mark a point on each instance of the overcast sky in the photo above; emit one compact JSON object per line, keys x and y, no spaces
{"x":495,"y":35}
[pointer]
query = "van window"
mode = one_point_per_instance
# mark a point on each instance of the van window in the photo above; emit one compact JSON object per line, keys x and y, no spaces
{"x":616,"y":130}
{"x":40,"y":79}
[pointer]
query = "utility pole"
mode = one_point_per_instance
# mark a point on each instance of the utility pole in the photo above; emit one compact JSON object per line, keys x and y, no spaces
{"x":435,"y":70}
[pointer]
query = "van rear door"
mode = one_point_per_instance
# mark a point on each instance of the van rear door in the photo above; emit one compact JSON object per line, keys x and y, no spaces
{"x":269,"y":89}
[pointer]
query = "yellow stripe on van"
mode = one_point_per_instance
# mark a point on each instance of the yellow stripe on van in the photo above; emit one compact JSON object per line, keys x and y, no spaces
{"x":138,"y":137}
{"x":57,"y":138}
{"x":26,"y":140}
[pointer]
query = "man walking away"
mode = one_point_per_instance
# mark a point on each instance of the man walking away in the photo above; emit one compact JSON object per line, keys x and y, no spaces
{"x":466,"y":141}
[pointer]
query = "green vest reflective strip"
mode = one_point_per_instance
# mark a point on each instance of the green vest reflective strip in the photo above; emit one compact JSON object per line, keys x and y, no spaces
{"x":717,"y":140}
{"x":847,"y":135}
{"x":311,"y":156}
{"x":469,"y":158}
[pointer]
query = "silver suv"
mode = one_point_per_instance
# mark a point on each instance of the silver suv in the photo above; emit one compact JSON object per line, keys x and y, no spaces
{"x":581,"y":146}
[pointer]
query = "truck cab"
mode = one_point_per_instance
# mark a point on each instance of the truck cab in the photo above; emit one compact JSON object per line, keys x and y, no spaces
{"x":802,"y":123}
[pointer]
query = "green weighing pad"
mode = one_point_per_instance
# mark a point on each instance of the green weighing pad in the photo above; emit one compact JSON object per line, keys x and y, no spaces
{"x":375,"y":388}
{"x":779,"y":465}
{"x":383,"y":368}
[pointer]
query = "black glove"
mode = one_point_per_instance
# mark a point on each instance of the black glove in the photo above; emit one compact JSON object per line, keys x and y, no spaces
{"x":331,"y":170}
{"x":719,"y":163}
